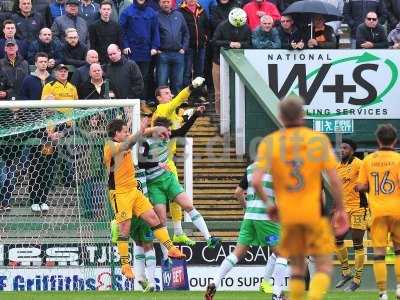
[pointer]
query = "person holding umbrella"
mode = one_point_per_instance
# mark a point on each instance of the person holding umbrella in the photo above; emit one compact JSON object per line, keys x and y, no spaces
{"x":320,"y":35}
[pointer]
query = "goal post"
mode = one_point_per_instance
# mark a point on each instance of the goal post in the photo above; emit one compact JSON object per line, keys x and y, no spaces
{"x":54,"y":218}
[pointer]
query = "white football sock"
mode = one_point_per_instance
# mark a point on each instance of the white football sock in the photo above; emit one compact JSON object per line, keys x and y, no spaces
{"x":225,"y":267}
{"x":151,"y":266}
{"x":178,"y":230}
{"x":280,"y":271}
{"x":269,"y":268}
{"x":199,"y":222}
{"x":139,"y":263}
{"x":164,"y":251}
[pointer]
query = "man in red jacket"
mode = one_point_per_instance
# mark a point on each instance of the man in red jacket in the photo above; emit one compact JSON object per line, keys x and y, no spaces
{"x":255,"y":9}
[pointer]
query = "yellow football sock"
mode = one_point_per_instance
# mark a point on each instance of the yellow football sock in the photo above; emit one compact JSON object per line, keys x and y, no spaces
{"x":342,"y":255}
{"x":397,"y":268}
{"x":319,"y":285}
{"x":297,"y":288}
{"x":358,"y":264}
{"x":123,"y":250}
{"x":380,"y":273}
{"x":176,"y":211}
{"x":161,"y":234}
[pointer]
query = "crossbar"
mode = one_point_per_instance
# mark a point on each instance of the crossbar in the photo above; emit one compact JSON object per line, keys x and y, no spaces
{"x":70,"y":103}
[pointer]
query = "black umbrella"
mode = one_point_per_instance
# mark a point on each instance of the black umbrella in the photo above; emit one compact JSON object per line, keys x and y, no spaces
{"x":307,"y":8}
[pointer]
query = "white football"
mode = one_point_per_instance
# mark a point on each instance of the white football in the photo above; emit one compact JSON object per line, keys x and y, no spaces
{"x":237,"y":17}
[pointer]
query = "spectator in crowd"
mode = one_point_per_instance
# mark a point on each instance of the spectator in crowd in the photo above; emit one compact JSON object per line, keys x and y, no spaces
{"x":227,"y":36}
{"x":174,"y":41}
{"x":71,"y":20}
{"x":96,"y":87}
{"x":320,"y":36}
{"x":89,"y":11}
{"x":45,"y":43}
{"x":6,"y":10}
{"x":393,"y":13}
{"x":371,"y":34}
{"x":44,"y":159}
{"x":104,"y":32}
{"x":289,"y":34}
{"x":33,"y":84}
{"x":9,"y":31}
{"x":43,"y":8}
{"x":141,"y":37}
{"x":197,"y":22}
{"x":57,"y":9}
{"x":5,"y":87}
{"x":394,"y":38}
{"x":124,"y":74}
{"x":339,"y":4}
{"x":207,"y":5}
{"x":14,"y":66}
{"x":74,"y":52}
{"x":354,"y":12}
{"x":81,"y":75}
{"x":255,"y":9}
{"x":28,"y":22}
{"x":265,"y":36}
{"x":220,"y":12}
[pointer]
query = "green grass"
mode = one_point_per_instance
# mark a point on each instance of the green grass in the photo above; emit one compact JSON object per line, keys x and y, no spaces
{"x":168,"y":296}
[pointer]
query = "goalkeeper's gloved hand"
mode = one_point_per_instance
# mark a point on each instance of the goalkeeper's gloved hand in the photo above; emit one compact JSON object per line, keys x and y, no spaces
{"x":196,"y":83}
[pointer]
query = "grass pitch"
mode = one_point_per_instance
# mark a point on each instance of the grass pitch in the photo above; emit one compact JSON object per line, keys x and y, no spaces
{"x":170,"y":296}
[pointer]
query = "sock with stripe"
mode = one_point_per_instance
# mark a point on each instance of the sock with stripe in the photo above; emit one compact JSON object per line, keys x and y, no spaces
{"x":358,"y":264}
{"x":151,"y":266}
{"x":279,"y":273}
{"x":319,"y":285}
{"x":139,"y":263}
{"x":161,"y":233}
{"x":343,"y":257}
{"x":380,"y":273}
{"x":123,"y":250}
{"x":269,"y":268}
{"x":199,"y":222}
{"x":225,"y":267}
{"x":297,"y":288}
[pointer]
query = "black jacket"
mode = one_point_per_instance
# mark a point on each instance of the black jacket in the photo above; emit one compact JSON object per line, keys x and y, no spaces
{"x":197,"y":24}
{"x":102,"y":34}
{"x":87,"y":90}
{"x":393,"y":12}
{"x":226,"y":33}
{"x":80,"y":75}
{"x":75,"y":56}
{"x":220,"y":13}
{"x":126,"y":78}
{"x":28,"y":27}
{"x":15,"y":74}
{"x":375,"y":35}
{"x":288,"y":38}
{"x":53,"y":50}
{"x":5,"y":85}
{"x":328,"y":34}
{"x":354,"y":12}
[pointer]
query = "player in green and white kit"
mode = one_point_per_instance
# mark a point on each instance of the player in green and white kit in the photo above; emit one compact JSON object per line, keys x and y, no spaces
{"x":163,"y":186}
{"x":141,"y":233}
{"x":256,"y":230}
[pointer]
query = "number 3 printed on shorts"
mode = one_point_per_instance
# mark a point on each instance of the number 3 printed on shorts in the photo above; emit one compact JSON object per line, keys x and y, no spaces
{"x":295,"y":166}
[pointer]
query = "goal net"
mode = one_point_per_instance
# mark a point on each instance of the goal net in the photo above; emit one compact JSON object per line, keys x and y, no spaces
{"x":55,"y":214}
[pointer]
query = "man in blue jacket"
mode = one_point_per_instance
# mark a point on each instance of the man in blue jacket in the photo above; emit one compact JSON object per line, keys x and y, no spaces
{"x":141,"y":38}
{"x":174,"y":41}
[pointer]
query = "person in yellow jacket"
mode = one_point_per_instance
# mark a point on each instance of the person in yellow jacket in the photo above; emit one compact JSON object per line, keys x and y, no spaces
{"x":167,"y":108}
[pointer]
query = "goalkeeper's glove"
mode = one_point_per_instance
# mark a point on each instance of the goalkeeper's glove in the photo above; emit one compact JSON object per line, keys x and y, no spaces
{"x":196,"y":83}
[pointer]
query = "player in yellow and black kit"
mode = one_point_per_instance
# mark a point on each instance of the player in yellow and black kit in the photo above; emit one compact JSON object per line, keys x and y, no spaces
{"x":126,"y":200}
{"x":380,"y":177}
{"x":356,"y":206}
{"x":296,"y":156}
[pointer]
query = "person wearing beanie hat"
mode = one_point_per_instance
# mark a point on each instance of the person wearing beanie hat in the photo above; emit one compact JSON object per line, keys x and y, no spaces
{"x":357,"y":209}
